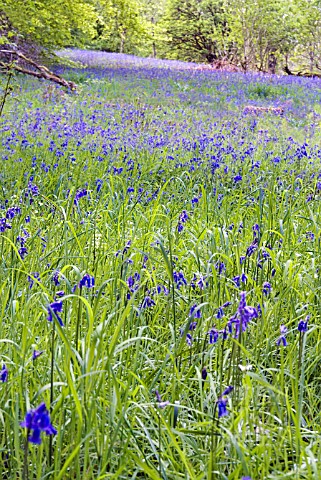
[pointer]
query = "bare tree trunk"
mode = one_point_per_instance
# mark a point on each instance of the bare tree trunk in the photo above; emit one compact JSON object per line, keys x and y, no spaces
{"x":153,"y":44}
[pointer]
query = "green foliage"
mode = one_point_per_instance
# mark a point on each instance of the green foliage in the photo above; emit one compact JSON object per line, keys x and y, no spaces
{"x":51,"y":24}
{"x":120,"y":28}
{"x":197,"y":30}
{"x":263,"y":91}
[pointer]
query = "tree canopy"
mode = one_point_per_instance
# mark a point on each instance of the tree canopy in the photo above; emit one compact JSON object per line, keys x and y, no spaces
{"x":250,"y":34}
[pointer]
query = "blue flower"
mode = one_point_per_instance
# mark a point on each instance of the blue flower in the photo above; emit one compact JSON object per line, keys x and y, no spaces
{"x":183,"y":216}
{"x":36,"y":354}
{"x":87,"y":281}
{"x":220,"y":267}
{"x":303,"y":324}
{"x":282,"y":339}
{"x":38,"y":420}
{"x":213,"y":336}
{"x":55,"y":278}
{"x":222,"y":410}
{"x":267,"y":287}
{"x":228,"y":390}
{"x":222,"y":402}
{"x":220,"y":313}
{"x":195,"y":311}
{"x":4,"y":373}
{"x":147,"y":302}
{"x":53,"y":309}
{"x":237,"y":178}
{"x":34,"y":275}
{"x":179,"y":279}
{"x":242,"y":317}
{"x":161,"y":404}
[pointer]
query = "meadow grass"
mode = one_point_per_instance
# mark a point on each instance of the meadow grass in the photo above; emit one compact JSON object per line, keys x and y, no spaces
{"x":154,"y":183}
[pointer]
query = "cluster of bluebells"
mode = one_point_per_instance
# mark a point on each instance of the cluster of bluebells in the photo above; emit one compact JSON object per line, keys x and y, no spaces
{"x":22,"y":240}
{"x":244,"y":314}
{"x":199,"y":282}
{"x":182,"y":219}
{"x":147,"y":302}
{"x":179,"y":279}
{"x":80,"y":194}
{"x":37,"y":421}
{"x":31,"y":191}
{"x":194,"y":313}
{"x":133,"y":284}
{"x":237,"y":323}
{"x":86,"y":281}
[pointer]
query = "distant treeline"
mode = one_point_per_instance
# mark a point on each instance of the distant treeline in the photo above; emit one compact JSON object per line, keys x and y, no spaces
{"x":262,"y":35}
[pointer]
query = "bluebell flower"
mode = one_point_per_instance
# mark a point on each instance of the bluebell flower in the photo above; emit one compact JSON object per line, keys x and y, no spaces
{"x":4,"y":225}
{"x":183,"y":216}
{"x":282,"y":339}
{"x":213,"y":336}
{"x":55,"y":278}
{"x":37,"y":421}
{"x":226,"y":304}
{"x":256,"y":229}
{"x":161,"y":404}
{"x":80,"y":194}
{"x":55,"y":308}
{"x":242,"y":317}
{"x":220,"y":267}
{"x":148,"y":302}
{"x":59,"y":294}
{"x":36,"y":354}
{"x":204,"y":374}
{"x":222,"y":402}
{"x":303,"y":324}
{"x":195,"y":312}
{"x":220,"y":313}
{"x":4,"y":373}
{"x":179,"y":279}
{"x":133,"y":285}
{"x":267,"y":287}
{"x":222,"y":410}
{"x":35,"y":275}
{"x":228,"y":390}
{"x":251,"y":249}
{"x":240,"y":279}
{"x":23,"y":252}
{"x":87,"y":281}
{"x":237,"y":178}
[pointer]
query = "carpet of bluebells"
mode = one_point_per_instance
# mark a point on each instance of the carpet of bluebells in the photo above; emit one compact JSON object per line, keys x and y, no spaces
{"x":159,"y":277}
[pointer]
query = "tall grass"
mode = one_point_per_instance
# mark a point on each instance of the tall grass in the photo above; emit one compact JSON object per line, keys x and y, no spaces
{"x":142,"y":150}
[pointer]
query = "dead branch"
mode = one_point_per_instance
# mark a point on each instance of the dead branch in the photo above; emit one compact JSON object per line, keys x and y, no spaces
{"x":42,"y":71}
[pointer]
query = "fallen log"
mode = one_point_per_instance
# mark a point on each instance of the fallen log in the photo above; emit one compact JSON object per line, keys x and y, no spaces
{"x":40,"y":70}
{"x":301,"y":74}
